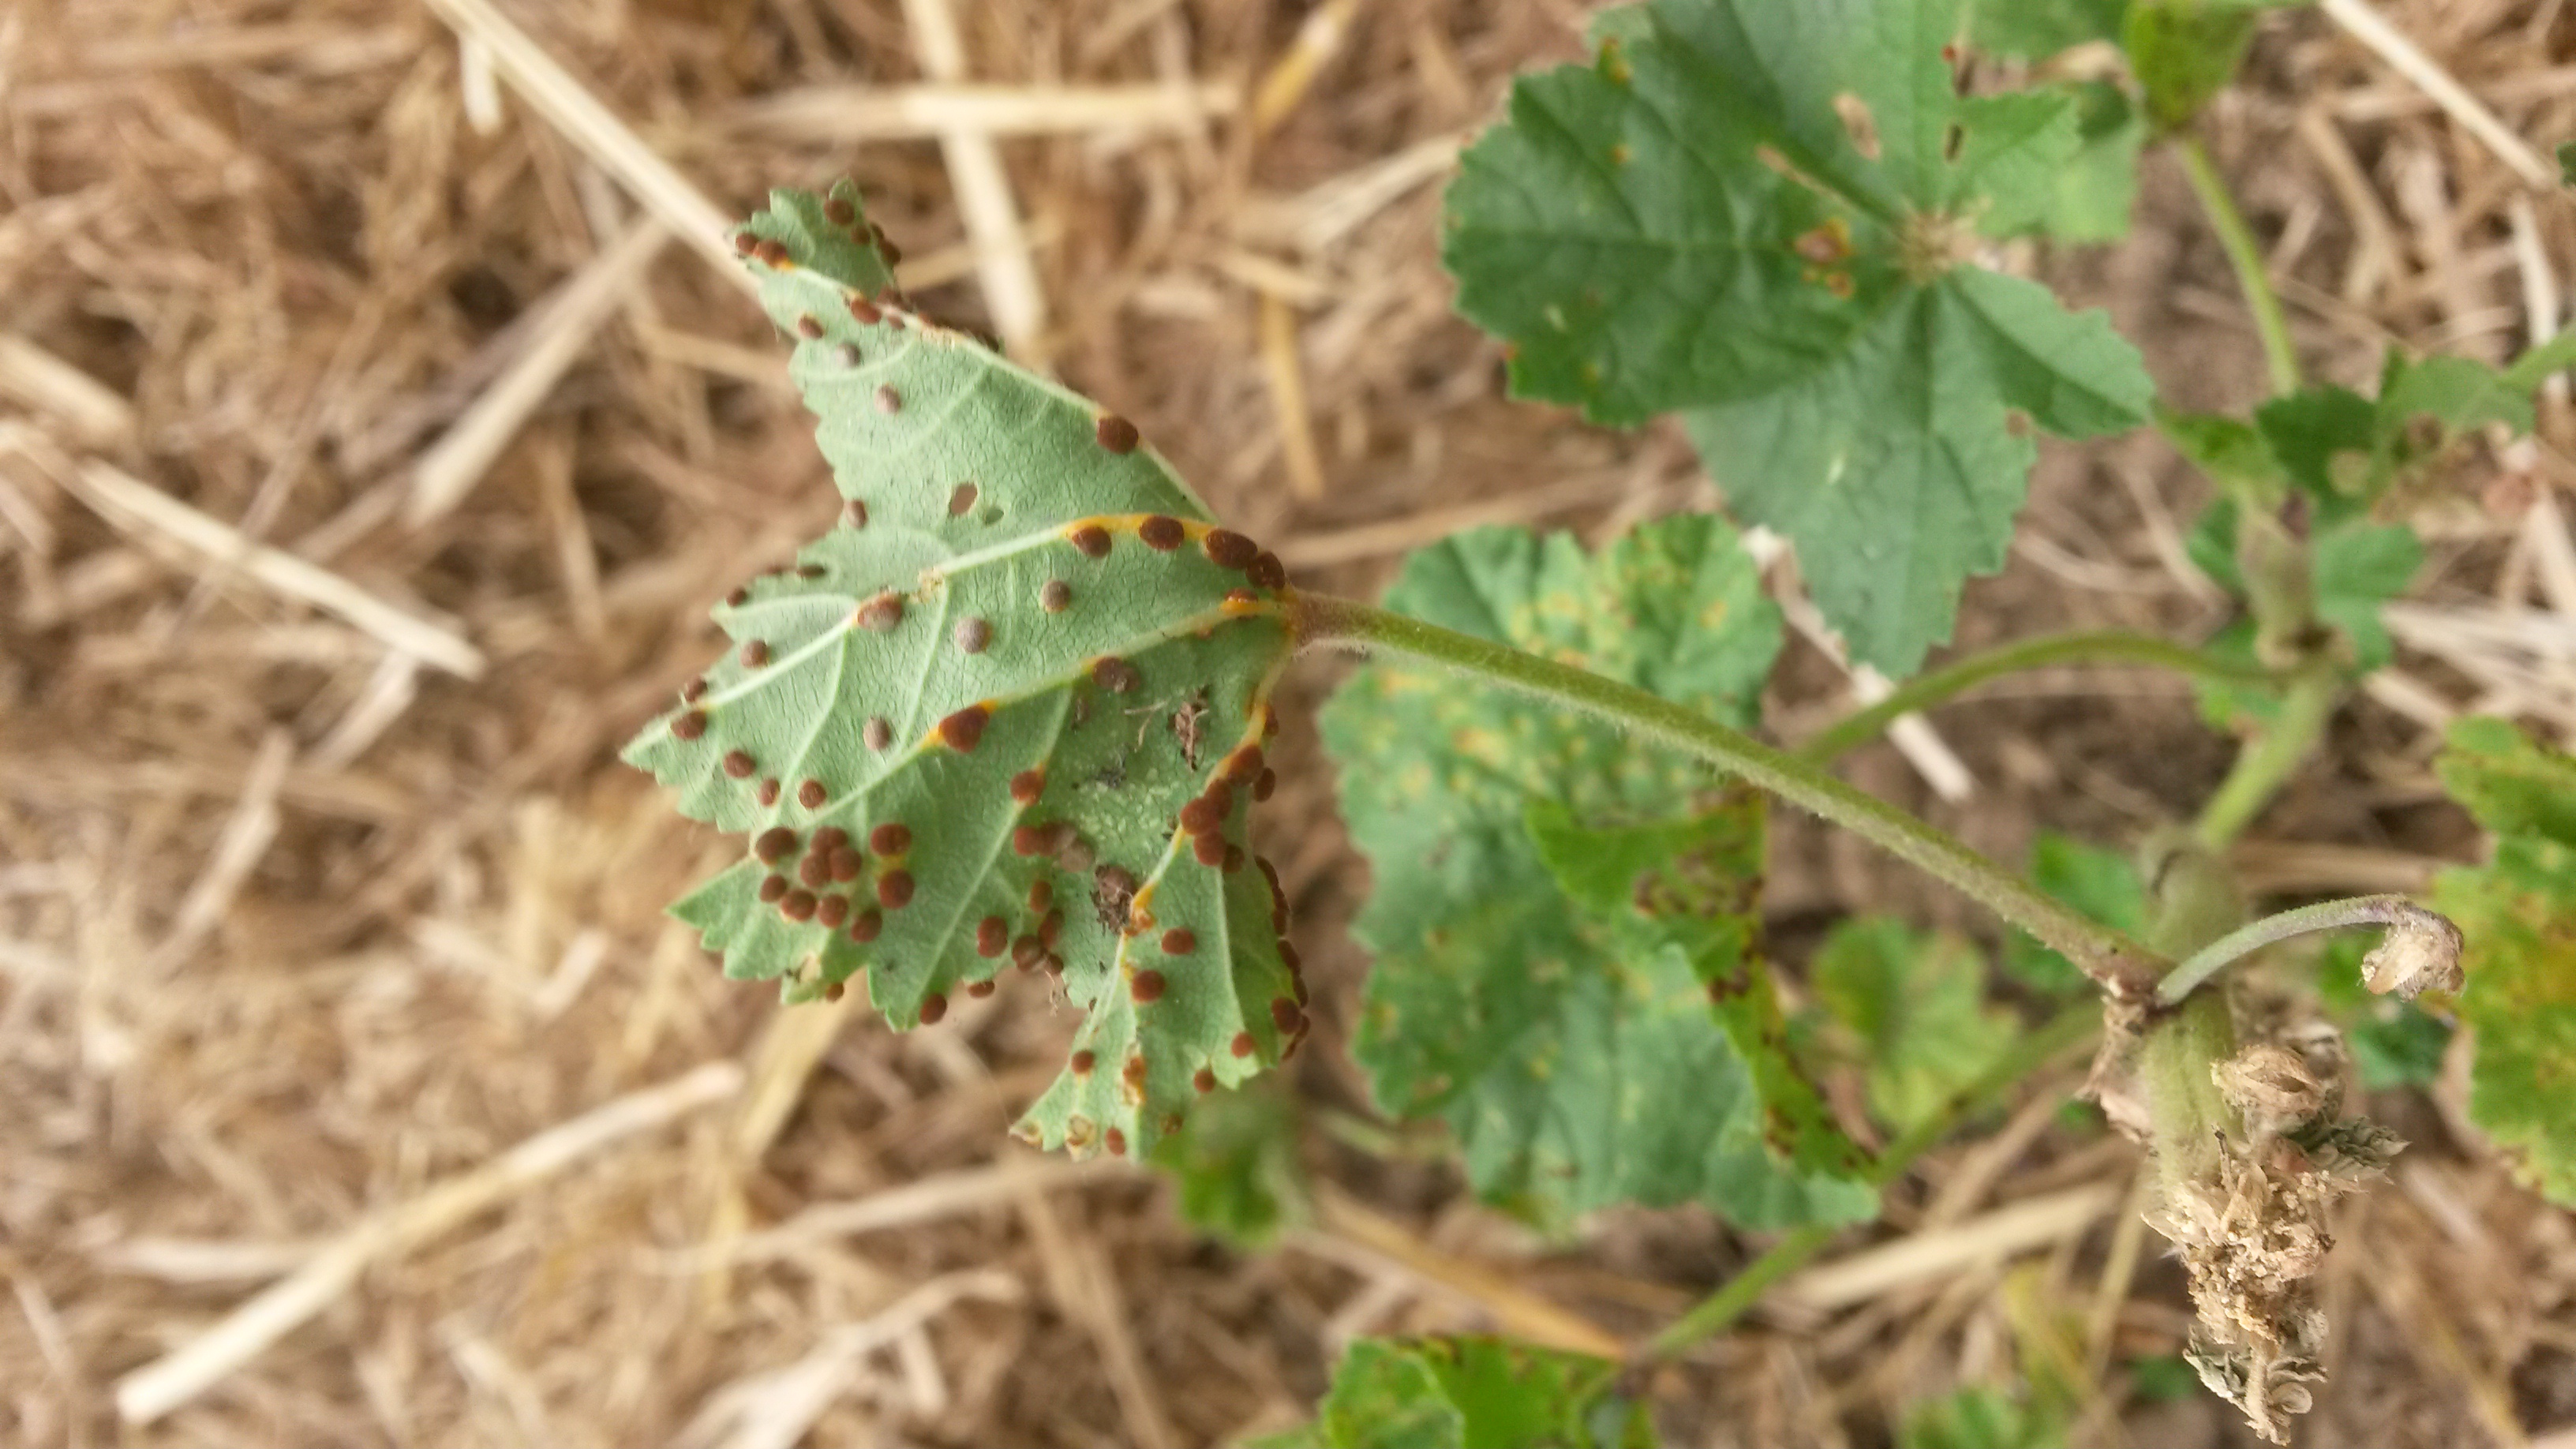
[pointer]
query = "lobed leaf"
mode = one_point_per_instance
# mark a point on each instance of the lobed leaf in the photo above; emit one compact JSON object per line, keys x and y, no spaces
{"x":1234,"y":1163}
{"x":1544,"y":980}
{"x":1010,"y":712}
{"x":1474,"y":1393}
{"x":1691,"y":224}
{"x":1912,"y":1007}
{"x":2518,"y":915}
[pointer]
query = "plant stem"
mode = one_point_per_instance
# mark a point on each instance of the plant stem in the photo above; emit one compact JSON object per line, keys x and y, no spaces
{"x":2109,"y":646}
{"x":2123,"y":967}
{"x":2263,"y":766}
{"x":2237,"y":239}
{"x":1718,"y":1312}
{"x":2253,"y":936}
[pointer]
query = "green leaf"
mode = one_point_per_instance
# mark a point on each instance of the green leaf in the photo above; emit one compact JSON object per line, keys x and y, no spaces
{"x":2518,"y":916}
{"x":1689,"y":223}
{"x":1473,"y":1393}
{"x":1913,"y":1006}
{"x":2094,"y":192}
{"x":1235,"y":1165}
{"x":2185,"y":51}
{"x":2356,"y":566}
{"x":1898,"y":471}
{"x":959,"y":732}
{"x":1574,"y":1051}
{"x":2103,"y":884}
{"x":2308,"y":428}
{"x":2347,"y":451}
{"x":1980,"y":1418}
{"x":2511,"y":784}
{"x":2033,"y":30}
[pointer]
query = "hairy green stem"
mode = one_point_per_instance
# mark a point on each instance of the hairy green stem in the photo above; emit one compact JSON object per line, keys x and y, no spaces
{"x":2245,"y":940}
{"x":2266,"y":764}
{"x":1718,"y":1312}
{"x":2123,"y":967}
{"x":2237,"y":239}
{"x":2107,"y":646}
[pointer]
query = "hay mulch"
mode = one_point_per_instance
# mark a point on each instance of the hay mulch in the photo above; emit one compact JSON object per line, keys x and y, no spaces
{"x":374,"y":429}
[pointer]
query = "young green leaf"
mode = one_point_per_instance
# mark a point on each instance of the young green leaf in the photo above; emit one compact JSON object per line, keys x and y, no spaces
{"x":1235,"y":1164}
{"x":1474,"y":1393}
{"x":2185,"y":51}
{"x":2518,"y":915}
{"x":977,"y":724}
{"x":1981,"y":1418}
{"x":1560,"y":1032}
{"x":2035,"y":30}
{"x":1700,"y":170}
{"x":1912,"y":1006}
{"x":2356,"y":565}
{"x":2101,"y":883}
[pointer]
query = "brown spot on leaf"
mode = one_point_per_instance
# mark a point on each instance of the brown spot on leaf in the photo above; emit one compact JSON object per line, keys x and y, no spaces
{"x":1055,"y":596}
{"x":865,"y":926}
{"x":1026,"y":786}
{"x":1115,"y":433}
{"x":1162,"y":533}
{"x":1091,"y":540}
{"x":972,"y":634}
{"x":877,"y":732}
{"x":1082,"y":1061}
{"x":964,"y":729}
{"x":1266,"y":571}
{"x":808,"y":328}
{"x":798,"y":906}
{"x":889,"y":402}
{"x":1115,"y":674}
{"x":691,"y":725}
{"x":774,"y":844}
{"x":933,"y":1007}
{"x":1228,"y":549}
{"x":980,"y":989}
{"x":890,"y":838}
{"x":768,"y":792}
{"x":1242,"y":1045}
{"x":881,"y":613}
{"x":773,"y":889}
{"x":738,"y":764}
{"x":991,"y":934}
{"x":831,"y":911}
{"x":1203,"y":1079}
{"x":1179,"y":941}
{"x":894,"y":889}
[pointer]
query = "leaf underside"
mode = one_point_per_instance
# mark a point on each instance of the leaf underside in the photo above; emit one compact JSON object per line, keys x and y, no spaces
{"x":1690,"y":224}
{"x":960,"y":735}
{"x":1565,"y":926}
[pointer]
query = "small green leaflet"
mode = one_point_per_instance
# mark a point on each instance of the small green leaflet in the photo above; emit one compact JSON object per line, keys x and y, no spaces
{"x":1911,"y":1009}
{"x":1235,"y":1165}
{"x":973,"y":726}
{"x":1690,"y":224}
{"x":2356,"y":566}
{"x":1565,"y":1027}
{"x":2101,"y":883}
{"x":1472,"y":1393}
{"x":1981,"y":1418}
{"x":2518,"y":914}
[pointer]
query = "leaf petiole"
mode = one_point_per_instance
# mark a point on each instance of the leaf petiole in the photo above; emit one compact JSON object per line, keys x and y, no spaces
{"x":2124,"y":968}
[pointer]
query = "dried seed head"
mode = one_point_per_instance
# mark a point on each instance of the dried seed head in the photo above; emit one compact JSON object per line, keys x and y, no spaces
{"x":1055,"y":596}
{"x":933,"y":1007}
{"x":889,"y":402}
{"x":774,"y":844}
{"x":1162,"y":533}
{"x":1147,"y":987}
{"x":973,"y":634}
{"x":798,"y":906}
{"x":964,"y":729}
{"x":691,"y":725}
{"x":1115,"y":434}
{"x":773,"y":889}
{"x":1179,"y":941}
{"x":894,"y":889}
{"x":1266,"y":572}
{"x":1228,"y":549}
{"x":891,"y":838}
{"x":737,"y":763}
{"x":992,"y":934}
{"x":2420,"y":953}
{"x":832,"y":911}
{"x":877,"y":732}
{"x":1091,"y":540}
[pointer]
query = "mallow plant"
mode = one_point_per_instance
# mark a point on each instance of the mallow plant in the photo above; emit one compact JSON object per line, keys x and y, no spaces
{"x":1013,"y":717}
